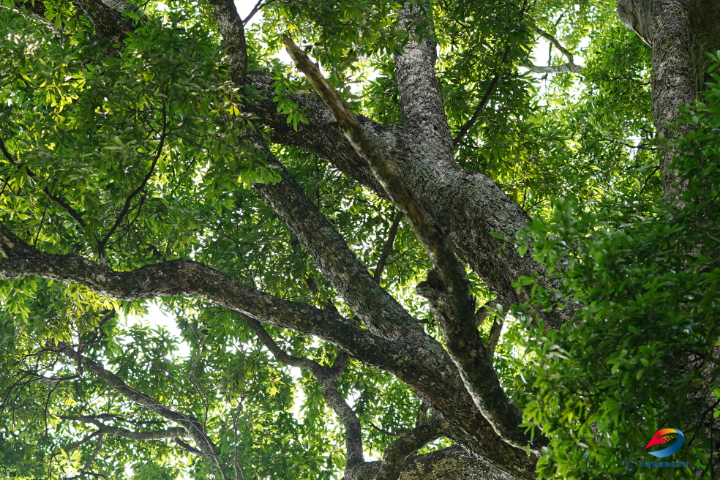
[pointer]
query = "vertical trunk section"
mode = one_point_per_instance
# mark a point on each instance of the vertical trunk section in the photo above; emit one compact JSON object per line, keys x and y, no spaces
{"x":673,"y":82}
{"x":679,"y":33}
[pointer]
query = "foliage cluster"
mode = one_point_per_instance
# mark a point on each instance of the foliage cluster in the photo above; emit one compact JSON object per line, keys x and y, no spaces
{"x":641,"y":354}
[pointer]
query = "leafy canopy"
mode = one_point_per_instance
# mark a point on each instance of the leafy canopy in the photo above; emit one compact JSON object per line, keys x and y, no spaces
{"x":131,"y":154}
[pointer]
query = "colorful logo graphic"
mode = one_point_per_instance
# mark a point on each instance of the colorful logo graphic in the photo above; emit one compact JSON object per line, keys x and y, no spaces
{"x":666,"y":435}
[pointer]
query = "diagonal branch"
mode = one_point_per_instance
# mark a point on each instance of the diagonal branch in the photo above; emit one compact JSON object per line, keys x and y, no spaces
{"x":447,"y":286}
{"x":568,"y":54}
{"x":95,"y":452}
{"x":57,"y":199}
{"x":483,"y":101}
{"x":338,"y":264}
{"x":188,"y":448}
{"x":128,"y":201}
{"x":327,"y":377}
{"x":72,"y":446}
{"x":36,"y":8}
{"x":568,"y":67}
{"x":192,"y":426}
{"x":387,"y":249}
{"x":258,"y":6}
{"x":108,"y":19}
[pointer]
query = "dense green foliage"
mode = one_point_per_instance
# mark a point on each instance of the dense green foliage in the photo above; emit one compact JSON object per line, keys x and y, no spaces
{"x":649,"y":277}
{"x":131,"y":154}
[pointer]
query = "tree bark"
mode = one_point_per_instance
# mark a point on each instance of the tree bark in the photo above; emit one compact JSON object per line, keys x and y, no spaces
{"x":467,"y":205}
{"x":454,"y":463}
{"x":679,"y":33}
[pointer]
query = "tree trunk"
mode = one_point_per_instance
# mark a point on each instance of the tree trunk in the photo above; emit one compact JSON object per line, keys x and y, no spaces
{"x":679,"y":33}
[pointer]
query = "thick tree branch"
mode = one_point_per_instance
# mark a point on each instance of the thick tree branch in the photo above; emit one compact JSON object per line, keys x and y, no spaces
{"x":634,"y":14}
{"x":103,"y":429}
{"x":454,"y":463}
{"x":431,"y":373}
{"x":484,"y":100}
{"x":673,"y":78}
{"x":396,"y":453}
{"x":232,"y":30}
{"x":378,"y":310}
{"x":679,"y":33}
{"x":36,"y":9}
{"x":447,"y":286}
{"x":421,"y":105}
{"x":564,"y":68}
{"x":186,"y":277}
{"x":468,"y":205}
{"x":107,"y":17}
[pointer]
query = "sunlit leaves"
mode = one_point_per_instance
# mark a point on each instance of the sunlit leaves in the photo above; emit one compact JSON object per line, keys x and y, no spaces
{"x":648,"y":279}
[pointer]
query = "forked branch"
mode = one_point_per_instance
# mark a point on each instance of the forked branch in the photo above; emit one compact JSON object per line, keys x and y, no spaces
{"x":570,"y":66}
{"x":192,"y":426}
{"x":396,"y":453}
{"x":327,"y":377}
{"x":447,"y":286}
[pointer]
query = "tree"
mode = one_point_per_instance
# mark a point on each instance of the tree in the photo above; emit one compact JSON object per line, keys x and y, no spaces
{"x":160,"y":151}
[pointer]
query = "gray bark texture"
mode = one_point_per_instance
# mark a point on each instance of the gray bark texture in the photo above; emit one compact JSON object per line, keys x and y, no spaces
{"x":679,"y":32}
{"x":454,"y":212}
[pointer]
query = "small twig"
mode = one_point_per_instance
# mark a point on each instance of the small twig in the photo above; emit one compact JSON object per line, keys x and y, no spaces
{"x":484,"y":101}
{"x":387,"y":249}
{"x":128,"y":201}
{"x":259,"y":5}
{"x":645,"y":183}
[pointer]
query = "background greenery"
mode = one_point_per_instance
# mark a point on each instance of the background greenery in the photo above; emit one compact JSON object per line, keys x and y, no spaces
{"x":86,"y":121}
